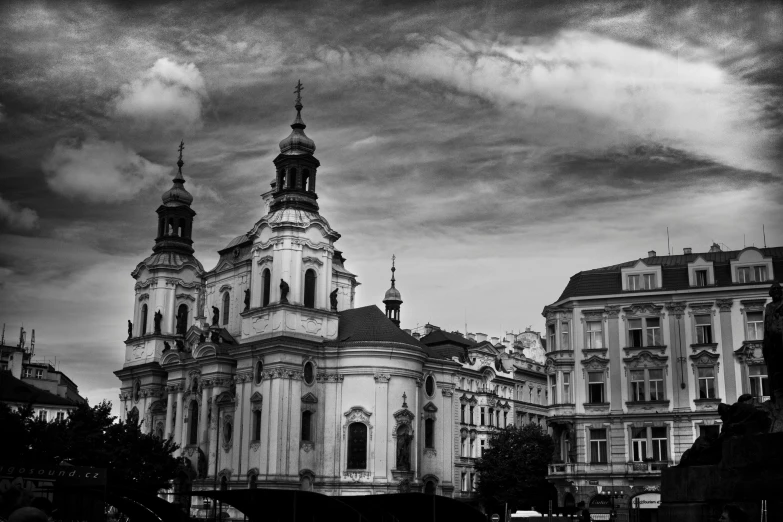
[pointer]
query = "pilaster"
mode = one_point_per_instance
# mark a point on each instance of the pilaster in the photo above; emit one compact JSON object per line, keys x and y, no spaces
{"x":382,"y":450}
{"x":727,"y":350}
{"x":615,"y":371}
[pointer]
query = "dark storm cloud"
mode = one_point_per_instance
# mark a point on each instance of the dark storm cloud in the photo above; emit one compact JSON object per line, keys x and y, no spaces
{"x":500,"y":141}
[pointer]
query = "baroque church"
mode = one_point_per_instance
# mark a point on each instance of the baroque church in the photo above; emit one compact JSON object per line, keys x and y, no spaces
{"x":266,"y":375}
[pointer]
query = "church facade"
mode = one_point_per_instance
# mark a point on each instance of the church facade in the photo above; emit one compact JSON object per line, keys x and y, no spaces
{"x":265,"y":373}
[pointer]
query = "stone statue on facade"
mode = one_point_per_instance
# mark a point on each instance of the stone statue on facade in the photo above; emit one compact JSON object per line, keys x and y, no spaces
{"x":202,"y":464}
{"x":772,"y":347}
{"x":215,"y":315}
{"x":215,"y":336}
{"x":158,"y":319}
{"x":283,"y":291}
{"x":201,"y":302}
{"x":202,"y":337}
{"x":166,"y":346}
{"x":130,"y":329}
{"x":180,"y":345}
{"x":404,"y":450}
{"x":333,"y":299}
{"x":247,"y":300}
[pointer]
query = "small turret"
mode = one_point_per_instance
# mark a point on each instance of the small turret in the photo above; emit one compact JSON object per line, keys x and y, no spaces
{"x":393,"y":299}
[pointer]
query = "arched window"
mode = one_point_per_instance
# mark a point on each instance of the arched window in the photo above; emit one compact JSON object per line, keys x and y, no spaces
{"x":137,"y":392}
{"x":292,"y":178}
{"x":259,"y":372}
{"x":305,"y":179}
{"x":193,"y":423}
{"x":181,"y":227}
{"x":307,"y":421}
{"x":429,"y":433}
{"x":308,"y":372}
{"x":267,"y":286}
{"x":170,"y":227}
{"x":182,"y":319}
{"x":159,"y":432}
{"x":144,"y":319}
{"x":226,"y":306}
{"x":309,"y":289}
{"x":257,"y":425}
{"x":253,"y":481}
{"x":429,"y":385}
{"x":223,"y":483}
{"x":281,"y":180}
{"x":357,"y":446}
{"x":429,"y":487}
{"x":161,"y":226}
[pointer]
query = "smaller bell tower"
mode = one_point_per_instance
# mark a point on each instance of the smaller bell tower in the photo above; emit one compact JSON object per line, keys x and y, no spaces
{"x":175,"y":217}
{"x":393,"y":299}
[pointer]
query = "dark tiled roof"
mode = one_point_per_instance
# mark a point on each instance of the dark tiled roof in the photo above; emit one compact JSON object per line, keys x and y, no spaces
{"x":367,"y":324}
{"x":442,"y":336}
{"x":445,"y":345}
{"x":674,"y":272}
{"x":16,"y":391}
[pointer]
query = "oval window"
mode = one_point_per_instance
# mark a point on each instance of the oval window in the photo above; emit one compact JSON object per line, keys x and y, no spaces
{"x":308,"y":372}
{"x":429,"y":385}
{"x":227,"y":432}
{"x":259,"y":371}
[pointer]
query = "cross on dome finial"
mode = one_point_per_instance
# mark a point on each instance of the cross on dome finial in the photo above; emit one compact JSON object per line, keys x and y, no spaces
{"x":298,"y":92}
{"x":180,"y":149}
{"x":393,"y":269}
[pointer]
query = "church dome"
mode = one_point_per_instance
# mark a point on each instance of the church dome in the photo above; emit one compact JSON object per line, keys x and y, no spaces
{"x":392,"y":294}
{"x":297,"y":142}
{"x":177,"y":195}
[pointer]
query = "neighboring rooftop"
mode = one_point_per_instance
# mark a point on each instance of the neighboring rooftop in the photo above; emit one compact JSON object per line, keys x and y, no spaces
{"x":13,"y":390}
{"x":674,"y":272}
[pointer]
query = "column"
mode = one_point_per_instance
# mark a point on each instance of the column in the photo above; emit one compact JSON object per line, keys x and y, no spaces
{"x":203,"y":414}
{"x":680,"y":396}
{"x":169,"y":411}
{"x":418,"y":439}
{"x":215,"y":432}
{"x":274,"y":412}
{"x":297,"y":277}
{"x":615,"y":356}
{"x":244,"y":425}
{"x":450,"y":435}
{"x":383,"y":456}
{"x":178,"y":420}
{"x":727,"y":350}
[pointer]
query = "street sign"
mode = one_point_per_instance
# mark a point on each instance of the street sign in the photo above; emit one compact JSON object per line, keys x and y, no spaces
{"x":495,"y":518}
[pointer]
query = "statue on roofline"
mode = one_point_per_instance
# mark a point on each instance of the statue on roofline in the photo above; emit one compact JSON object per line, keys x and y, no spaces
{"x":284,"y":288}
{"x":215,"y":315}
{"x":158,"y":319}
{"x":333,"y":299}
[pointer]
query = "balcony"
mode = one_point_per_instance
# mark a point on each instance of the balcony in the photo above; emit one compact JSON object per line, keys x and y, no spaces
{"x":635,"y":468}
{"x":563,"y":468}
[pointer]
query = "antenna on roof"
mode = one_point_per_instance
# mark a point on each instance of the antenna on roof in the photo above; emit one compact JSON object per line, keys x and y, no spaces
{"x":32,"y":344}
{"x":2,"y":342}
{"x":743,"y":241}
{"x":764,"y":234}
{"x":668,"y":245}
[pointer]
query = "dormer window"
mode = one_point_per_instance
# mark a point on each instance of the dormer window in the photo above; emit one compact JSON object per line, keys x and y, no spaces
{"x":648,"y":280}
{"x":634,"y":282}
{"x":752,"y":267}
{"x":759,"y":273}
{"x":743,"y":275}
{"x":701,"y":277}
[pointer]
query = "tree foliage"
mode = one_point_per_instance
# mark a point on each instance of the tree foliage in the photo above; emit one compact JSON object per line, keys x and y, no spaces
{"x":513,"y":468}
{"x":91,"y":437}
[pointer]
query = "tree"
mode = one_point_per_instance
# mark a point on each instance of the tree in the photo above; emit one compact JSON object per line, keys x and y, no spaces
{"x":91,"y":437}
{"x":513,"y":468}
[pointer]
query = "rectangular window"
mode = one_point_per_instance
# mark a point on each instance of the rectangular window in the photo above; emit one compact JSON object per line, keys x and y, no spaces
{"x":39,"y":374}
{"x":649,"y":281}
{"x":256,"y":425}
{"x":595,"y":337}
{"x":462,"y":413}
{"x":595,"y":384}
{"x":553,"y":387}
{"x":659,"y":444}
{"x":703,"y":329}
{"x":701,"y":277}
{"x":634,"y":282}
{"x":472,"y":417}
{"x":759,"y":274}
{"x":307,"y":425}
{"x":567,"y":388}
{"x":743,"y":275}
{"x":552,"y":336}
{"x":598,"y":446}
{"x":481,"y":448}
{"x":639,"y":442}
{"x":635,"y":333}
{"x":637,"y":386}
{"x":759,"y":381}
{"x":755,"y":326}
{"x":464,"y":481}
{"x":472,"y":449}
{"x":42,"y":415}
{"x":470,"y":481}
{"x":482,"y":415}
{"x":706,"y":383}
{"x":491,"y":416}
{"x":653,"y":332}
{"x":60,"y":415}
{"x":505,"y":419}
{"x":28,"y":372}
{"x":564,"y":336}
{"x":656,"y":385}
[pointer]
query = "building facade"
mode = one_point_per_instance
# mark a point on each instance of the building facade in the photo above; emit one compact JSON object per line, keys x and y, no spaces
{"x":266,"y":375}
{"x":640,"y":354}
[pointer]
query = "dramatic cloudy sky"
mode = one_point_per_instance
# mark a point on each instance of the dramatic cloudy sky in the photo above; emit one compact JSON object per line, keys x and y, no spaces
{"x":496,"y":148}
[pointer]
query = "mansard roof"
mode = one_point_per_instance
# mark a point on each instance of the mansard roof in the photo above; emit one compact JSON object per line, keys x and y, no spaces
{"x":674,"y":272}
{"x":445,"y":345}
{"x":370,"y":324}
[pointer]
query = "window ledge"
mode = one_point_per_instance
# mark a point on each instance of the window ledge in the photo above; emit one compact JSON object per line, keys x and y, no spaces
{"x":661,"y":347}
{"x":701,"y":346}
{"x":716,"y":400}
{"x":643,"y":403}
{"x":596,"y":405}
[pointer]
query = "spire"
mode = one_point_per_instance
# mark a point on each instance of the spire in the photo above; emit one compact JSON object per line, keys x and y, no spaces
{"x":393,"y":298}
{"x":297,"y":142}
{"x":177,"y":195}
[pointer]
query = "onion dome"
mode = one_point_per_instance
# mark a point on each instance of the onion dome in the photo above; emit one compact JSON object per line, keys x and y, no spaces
{"x":393,"y":299}
{"x":297,"y":142}
{"x":177,"y":195}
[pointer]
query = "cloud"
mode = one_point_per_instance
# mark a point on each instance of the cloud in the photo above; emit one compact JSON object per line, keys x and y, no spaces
{"x":169,"y":95}
{"x":17,"y":217}
{"x":99,"y":171}
{"x":580,"y":90}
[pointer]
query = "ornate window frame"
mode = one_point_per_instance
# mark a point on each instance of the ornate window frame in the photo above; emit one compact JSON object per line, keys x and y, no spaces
{"x":309,"y":404}
{"x":706,"y":359}
{"x":646,"y":361}
{"x":312,"y":362}
{"x":596,"y":364}
{"x":751,"y":305}
{"x":258,"y":372}
{"x":308,"y":264}
{"x":641,"y":269}
{"x":748,"y":355}
{"x":427,"y":376}
{"x":701,"y":264}
{"x":557,"y":317}
{"x":592,"y":316}
{"x":751,"y":257}
{"x":642,"y":311}
{"x":361,"y":415}
{"x":256,"y":405}
{"x":429,"y":413}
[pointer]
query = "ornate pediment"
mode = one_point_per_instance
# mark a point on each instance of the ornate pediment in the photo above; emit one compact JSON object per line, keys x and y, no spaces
{"x":224,"y":398}
{"x":313,"y":260}
{"x":593,"y":315}
{"x":753,"y":305}
{"x":186,"y":296}
{"x":643,"y":309}
{"x":309,"y":398}
{"x":595,"y":363}
{"x":404,"y":414}
{"x":224,"y":288}
{"x":265,"y":259}
{"x":429,"y":407}
{"x":170,"y":358}
{"x":358,"y":414}
{"x":705,"y":358}
{"x":256,"y":397}
{"x":646,"y":360}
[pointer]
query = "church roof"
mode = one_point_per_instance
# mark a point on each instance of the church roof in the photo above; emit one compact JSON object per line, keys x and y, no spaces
{"x":445,"y":345}
{"x":15,"y":390}
{"x":369,"y":323}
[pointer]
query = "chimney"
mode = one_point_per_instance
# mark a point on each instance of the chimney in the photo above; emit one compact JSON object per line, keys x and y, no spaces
{"x":651,"y":253}
{"x":715,"y":248}
{"x":429,"y":328}
{"x":472,"y":336}
{"x":481,"y":337}
{"x":686,"y":250}
{"x":495,"y":341}
{"x":416,"y":335}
